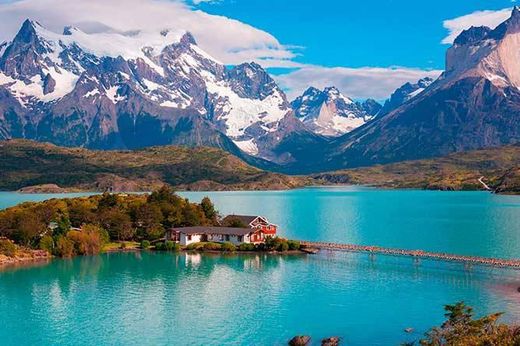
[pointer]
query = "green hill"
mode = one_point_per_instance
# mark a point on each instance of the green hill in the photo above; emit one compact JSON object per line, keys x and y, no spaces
{"x":31,"y":164}
{"x":498,"y":167}
{"x":42,"y":167}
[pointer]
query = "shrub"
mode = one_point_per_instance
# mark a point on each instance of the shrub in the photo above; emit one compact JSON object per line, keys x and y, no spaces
{"x":159,"y":246}
{"x":191,"y":247}
{"x":282,"y":246}
{"x":47,"y":243}
{"x":145,"y":244}
{"x":103,"y":236}
{"x":7,"y":248}
{"x":228,"y":247}
{"x":89,"y":240}
{"x":293,"y":244}
{"x":122,"y":246}
{"x":212,"y":246}
{"x":276,"y":243}
{"x":196,"y":246}
{"x":270,"y":243}
{"x":172,"y":246}
{"x":64,"y":247}
{"x":247,"y":247}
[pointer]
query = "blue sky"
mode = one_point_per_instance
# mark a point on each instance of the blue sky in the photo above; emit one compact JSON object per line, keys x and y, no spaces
{"x":366,"y":48}
{"x":356,"y":33}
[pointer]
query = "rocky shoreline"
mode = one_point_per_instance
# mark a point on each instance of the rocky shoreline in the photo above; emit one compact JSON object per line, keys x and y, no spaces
{"x":24,"y":257}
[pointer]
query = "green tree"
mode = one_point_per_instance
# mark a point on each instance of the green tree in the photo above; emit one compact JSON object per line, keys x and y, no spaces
{"x":170,"y":205}
{"x":47,"y":244}
{"x":63,"y":223}
{"x":81,"y":211}
{"x":29,"y":229}
{"x":88,"y":241}
{"x":148,"y":218}
{"x":209,"y":210}
{"x":235,"y":222}
{"x":8,"y":222}
{"x":164,"y":194}
{"x":117,"y":223}
{"x":108,"y":200}
{"x":462,"y":329}
{"x":191,"y":215}
{"x":64,"y":247}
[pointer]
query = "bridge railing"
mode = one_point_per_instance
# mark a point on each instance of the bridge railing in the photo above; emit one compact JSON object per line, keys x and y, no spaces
{"x":497,"y":262}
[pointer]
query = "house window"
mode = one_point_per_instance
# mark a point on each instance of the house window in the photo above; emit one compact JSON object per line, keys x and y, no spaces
{"x":227,"y":237}
{"x":189,"y":237}
{"x":240,"y":238}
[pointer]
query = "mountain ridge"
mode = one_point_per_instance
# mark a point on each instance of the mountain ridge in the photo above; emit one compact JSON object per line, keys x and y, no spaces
{"x":116,"y":91}
{"x":113,"y":91}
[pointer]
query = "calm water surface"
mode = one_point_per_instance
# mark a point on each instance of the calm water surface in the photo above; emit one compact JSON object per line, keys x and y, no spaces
{"x":147,"y":298}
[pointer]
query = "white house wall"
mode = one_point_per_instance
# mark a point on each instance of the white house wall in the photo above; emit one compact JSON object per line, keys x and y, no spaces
{"x":217,"y":238}
{"x":195,"y":238}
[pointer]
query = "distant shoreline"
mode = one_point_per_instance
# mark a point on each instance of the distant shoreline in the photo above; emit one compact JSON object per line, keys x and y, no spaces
{"x":33,"y":190}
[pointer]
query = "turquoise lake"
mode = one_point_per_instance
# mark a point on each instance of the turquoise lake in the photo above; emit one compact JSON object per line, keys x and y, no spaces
{"x":189,"y":299}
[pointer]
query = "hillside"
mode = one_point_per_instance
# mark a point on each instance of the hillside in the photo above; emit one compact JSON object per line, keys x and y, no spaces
{"x":25,"y":163}
{"x":499,"y":167}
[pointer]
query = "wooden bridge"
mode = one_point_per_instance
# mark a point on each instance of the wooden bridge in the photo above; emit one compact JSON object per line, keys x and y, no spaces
{"x":417,"y":254}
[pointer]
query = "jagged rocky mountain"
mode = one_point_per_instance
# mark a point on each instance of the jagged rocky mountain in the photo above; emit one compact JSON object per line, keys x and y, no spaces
{"x":328,"y":112}
{"x":370,"y":107}
{"x":474,"y":104}
{"x":114,"y":91}
{"x":405,"y":93}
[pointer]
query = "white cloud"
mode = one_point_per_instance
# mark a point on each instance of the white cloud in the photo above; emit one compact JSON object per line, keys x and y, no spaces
{"x":479,"y":18}
{"x":228,"y":40}
{"x":196,"y":2}
{"x":358,"y":83}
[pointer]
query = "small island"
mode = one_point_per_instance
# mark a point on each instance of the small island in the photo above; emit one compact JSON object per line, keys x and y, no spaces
{"x":161,"y":221}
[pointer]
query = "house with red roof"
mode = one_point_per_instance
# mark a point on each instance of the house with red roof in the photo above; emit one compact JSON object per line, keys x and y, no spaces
{"x":237,"y":229}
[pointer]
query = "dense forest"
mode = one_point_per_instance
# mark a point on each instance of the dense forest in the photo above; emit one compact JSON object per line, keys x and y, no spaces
{"x":81,"y":226}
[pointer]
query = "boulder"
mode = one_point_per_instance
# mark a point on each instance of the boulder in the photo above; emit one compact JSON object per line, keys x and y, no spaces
{"x":332,"y":341}
{"x":300,"y":340}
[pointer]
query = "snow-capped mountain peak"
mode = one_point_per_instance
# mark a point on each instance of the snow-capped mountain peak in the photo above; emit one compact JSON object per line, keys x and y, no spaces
{"x":163,"y":75}
{"x":334,"y":94}
{"x":329,"y":112}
